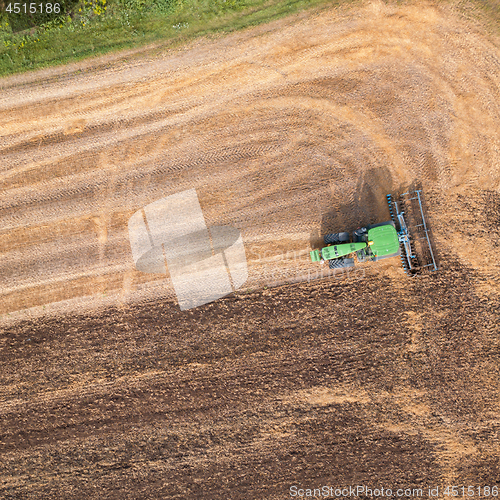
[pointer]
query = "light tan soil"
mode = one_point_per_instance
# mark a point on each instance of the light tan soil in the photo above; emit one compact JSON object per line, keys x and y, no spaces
{"x":285,"y":132}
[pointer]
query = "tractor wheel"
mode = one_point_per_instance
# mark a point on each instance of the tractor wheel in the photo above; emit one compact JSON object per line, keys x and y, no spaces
{"x":336,"y":238}
{"x":340,"y":263}
{"x":348,"y":262}
{"x":336,"y":263}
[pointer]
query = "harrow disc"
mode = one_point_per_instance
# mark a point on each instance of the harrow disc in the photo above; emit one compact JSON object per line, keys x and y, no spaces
{"x":416,"y":250}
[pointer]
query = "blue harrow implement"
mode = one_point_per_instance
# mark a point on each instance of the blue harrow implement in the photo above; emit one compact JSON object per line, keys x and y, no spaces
{"x":407,"y":213}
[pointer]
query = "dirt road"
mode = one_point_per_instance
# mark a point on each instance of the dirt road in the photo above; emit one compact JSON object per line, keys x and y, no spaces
{"x":285,"y":131}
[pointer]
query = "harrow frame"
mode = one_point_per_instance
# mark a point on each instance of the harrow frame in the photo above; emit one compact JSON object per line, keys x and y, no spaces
{"x":408,"y":207}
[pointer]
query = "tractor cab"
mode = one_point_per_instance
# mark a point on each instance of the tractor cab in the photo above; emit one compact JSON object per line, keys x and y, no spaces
{"x":368,"y":243}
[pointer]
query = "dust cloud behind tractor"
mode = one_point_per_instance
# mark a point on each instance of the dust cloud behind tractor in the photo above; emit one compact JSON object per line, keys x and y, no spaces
{"x":204,"y":263}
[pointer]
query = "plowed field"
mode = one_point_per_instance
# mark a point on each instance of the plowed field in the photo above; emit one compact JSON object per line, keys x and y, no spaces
{"x":286,"y":131}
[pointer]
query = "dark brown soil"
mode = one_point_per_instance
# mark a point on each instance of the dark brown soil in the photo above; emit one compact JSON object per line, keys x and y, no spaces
{"x":336,"y":383}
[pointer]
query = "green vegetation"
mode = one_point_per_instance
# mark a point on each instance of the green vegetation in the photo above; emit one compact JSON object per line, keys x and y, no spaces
{"x":486,"y":12}
{"x":85,"y":28}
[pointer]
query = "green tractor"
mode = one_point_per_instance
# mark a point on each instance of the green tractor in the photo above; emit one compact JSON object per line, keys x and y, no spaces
{"x":386,"y":239}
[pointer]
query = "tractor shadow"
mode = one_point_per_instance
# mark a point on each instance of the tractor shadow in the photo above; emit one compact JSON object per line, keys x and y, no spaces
{"x":356,"y":205}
